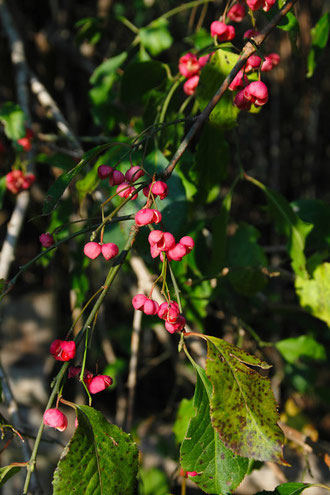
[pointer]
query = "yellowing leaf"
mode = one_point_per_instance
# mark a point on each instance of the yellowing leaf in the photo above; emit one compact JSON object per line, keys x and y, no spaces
{"x":243,"y":408}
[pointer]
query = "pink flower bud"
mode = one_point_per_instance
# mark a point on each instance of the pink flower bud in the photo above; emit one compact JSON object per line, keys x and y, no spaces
{"x":124,"y":190}
{"x":144,"y":217}
{"x":257,"y":93}
{"x":177,"y":326}
{"x":224,"y":32}
{"x":134,"y":173}
{"x":104,"y":171}
{"x":239,"y":81}
{"x":190,"y":85}
{"x":63,"y":350}
{"x":116,"y":178}
{"x":109,"y":250}
{"x":188,"y":65}
{"x":99,"y":383}
{"x":177,"y":253}
{"x":160,"y":188}
{"x":150,"y":307}
{"x":202,"y":61}
{"x":241,"y":102}
{"x":46,"y":240}
{"x":250,"y":33}
{"x":237,"y":12}
{"x":138,"y":301}
{"x":56,"y":419}
{"x":253,"y":63}
{"x":92,"y":250}
{"x":187,"y":242}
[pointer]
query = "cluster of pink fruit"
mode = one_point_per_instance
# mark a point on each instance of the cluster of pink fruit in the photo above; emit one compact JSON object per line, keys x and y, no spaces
{"x":124,"y":182}
{"x":65,"y":350}
{"x":169,"y":312}
{"x":17,"y":181}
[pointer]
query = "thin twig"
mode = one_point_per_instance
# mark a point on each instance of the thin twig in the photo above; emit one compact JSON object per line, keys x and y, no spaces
{"x":131,"y":381}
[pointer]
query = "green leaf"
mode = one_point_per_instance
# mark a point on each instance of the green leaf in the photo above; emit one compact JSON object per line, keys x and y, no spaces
{"x":59,"y":160}
{"x":211,"y":160}
{"x":290,"y":224}
{"x":219,"y":470}
{"x":88,"y":184}
{"x":7,"y":472}
{"x":185,"y":412}
{"x":13,"y":118}
{"x":100,"y":459}
{"x":316,"y":212}
{"x":213,"y":74}
{"x":139,"y":78}
{"x":201,"y":39}
{"x":314,"y":294}
{"x":243,"y":409}
{"x":319,"y":35}
{"x":295,"y":348}
{"x":153,"y":482}
{"x":287,"y":489}
{"x":57,"y":189}
{"x":288,"y":23}
{"x":156,"y":37}
{"x":3,"y":188}
{"x":90,"y":30}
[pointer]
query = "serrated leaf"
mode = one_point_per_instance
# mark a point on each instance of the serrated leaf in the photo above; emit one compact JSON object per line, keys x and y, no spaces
{"x":314,"y":294}
{"x":243,"y":408}
{"x":290,"y":224}
{"x":287,"y":489}
{"x":57,"y":189}
{"x":156,"y":37}
{"x":319,"y":35}
{"x":8,"y":472}
{"x":139,"y":78}
{"x":304,"y":346}
{"x":185,"y":412}
{"x":219,"y":469}
{"x":100,"y":459}
{"x":13,"y":119}
{"x":213,"y":74}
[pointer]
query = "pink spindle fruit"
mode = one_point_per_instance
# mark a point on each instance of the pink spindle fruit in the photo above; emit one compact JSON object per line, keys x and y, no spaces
{"x":190,"y":85}
{"x":109,"y":250}
{"x":56,"y":419}
{"x":99,"y":383}
{"x":63,"y":350}
{"x":46,"y":240}
{"x":257,"y":93}
{"x":188,"y":65}
{"x":92,"y":250}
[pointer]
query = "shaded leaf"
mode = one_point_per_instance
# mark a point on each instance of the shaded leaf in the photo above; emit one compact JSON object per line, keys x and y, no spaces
{"x":59,"y":160}
{"x":314,"y":294}
{"x":213,"y":74}
{"x":243,"y":408}
{"x":100,"y":458}
{"x":156,"y":37}
{"x":88,"y":184}
{"x":288,"y":23}
{"x":8,"y":472}
{"x":219,"y":469}
{"x":316,"y":212}
{"x":304,"y":346}
{"x":3,"y":188}
{"x":57,"y":189}
{"x":13,"y":119}
{"x":319,"y":35}
{"x":153,"y":482}
{"x":139,"y":78}
{"x":287,"y":489}
{"x":185,"y":412}
{"x":290,"y":224}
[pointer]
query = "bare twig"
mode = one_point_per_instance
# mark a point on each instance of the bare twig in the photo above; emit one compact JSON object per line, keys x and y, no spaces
{"x":248,"y":50}
{"x":131,"y":382}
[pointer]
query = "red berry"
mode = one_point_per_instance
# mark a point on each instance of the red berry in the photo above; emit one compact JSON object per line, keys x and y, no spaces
{"x":46,"y":240}
{"x":109,"y":250}
{"x":99,"y":383}
{"x":169,"y":311}
{"x":144,"y":217}
{"x":188,"y":65}
{"x":159,"y":188}
{"x":271,"y":61}
{"x":253,"y":63}
{"x":138,"y":301}
{"x":224,"y":32}
{"x":257,"y":93}
{"x":14,"y":181}
{"x":241,"y":102}
{"x":150,"y":307}
{"x":92,"y":250}
{"x":187,"y":242}
{"x":177,"y":253}
{"x":190,"y":85}
{"x":28,"y":180}
{"x":124,"y":190}
{"x":134,"y":173}
{"x":202,"y":61}
{"x":237,"y":12}
{"x":250,"y":33}
{"x":63,"y":350}
{"x":56,"y":419}
{"x":177,"y":326}
{"x":104,"y":171}
{"x":25,"y":143}
{"x":76,"y":370}
{"x":157,"y":216}
{"x":116,"y":178}
{"x":255,"y":4}
{"x":239,"y":81}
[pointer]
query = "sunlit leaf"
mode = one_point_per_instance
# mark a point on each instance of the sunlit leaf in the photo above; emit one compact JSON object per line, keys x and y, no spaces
{"x":304,"y":346}
{"x":13,"y":119}
{"x":287,"y":489}
{"x":100,"y":458}
{"x":185,"y":412}
{"x":243,"y":408}
{"x":7,"y":472}
{"x":319,"y":35}
{"x":218,"y":469}
{"x":156,"y":37}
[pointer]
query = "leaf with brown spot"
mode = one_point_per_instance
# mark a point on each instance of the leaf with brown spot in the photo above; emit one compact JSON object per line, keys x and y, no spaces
{"x":243,"y":408}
